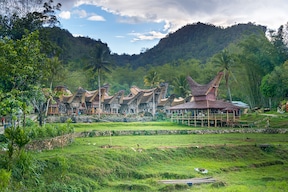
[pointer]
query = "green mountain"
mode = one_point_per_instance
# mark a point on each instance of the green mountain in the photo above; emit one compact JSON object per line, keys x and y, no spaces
{"x":199,"y":41}
{"x":67,"y":47}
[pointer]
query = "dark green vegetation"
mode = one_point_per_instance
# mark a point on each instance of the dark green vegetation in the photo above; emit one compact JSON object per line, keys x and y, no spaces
{"x":33,"y":57}
{"x":238,"y":162}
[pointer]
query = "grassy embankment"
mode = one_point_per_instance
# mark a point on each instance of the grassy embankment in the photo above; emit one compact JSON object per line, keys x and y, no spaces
{"x":137,"y":163}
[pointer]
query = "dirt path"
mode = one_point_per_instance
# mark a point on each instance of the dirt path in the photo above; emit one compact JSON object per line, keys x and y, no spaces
{"x":189,"y":181}
{"x":1,"y":130}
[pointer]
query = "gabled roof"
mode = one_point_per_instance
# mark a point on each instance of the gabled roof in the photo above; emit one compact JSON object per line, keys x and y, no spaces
{"x":134,"y":90}
{"x":128,"y":100}
{"x":80,"y":92}
{"x":96,"y":93}
{"x":166,"y":101}
{"x":109,"y":99}
{"x":202,"y":90}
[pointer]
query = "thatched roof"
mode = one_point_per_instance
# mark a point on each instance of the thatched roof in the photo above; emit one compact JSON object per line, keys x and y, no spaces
{"x":211,"y":88}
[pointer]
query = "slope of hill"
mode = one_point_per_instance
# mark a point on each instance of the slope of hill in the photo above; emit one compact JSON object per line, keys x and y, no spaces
{"x":68,"y":47}
{"x":199,"y":41}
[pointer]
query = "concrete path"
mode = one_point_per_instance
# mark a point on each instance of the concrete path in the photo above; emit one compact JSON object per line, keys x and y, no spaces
{"x":189,"y":181}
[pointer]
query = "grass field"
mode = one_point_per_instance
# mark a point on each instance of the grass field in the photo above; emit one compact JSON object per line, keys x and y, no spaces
{"x":137,"y":163}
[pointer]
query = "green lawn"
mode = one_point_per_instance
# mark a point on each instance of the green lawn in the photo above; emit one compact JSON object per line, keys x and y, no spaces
{"x":137,"y":163}
{"x":124,"y":126}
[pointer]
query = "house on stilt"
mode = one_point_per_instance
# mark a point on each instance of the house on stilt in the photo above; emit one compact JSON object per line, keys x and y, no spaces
{"x":204,"y":109}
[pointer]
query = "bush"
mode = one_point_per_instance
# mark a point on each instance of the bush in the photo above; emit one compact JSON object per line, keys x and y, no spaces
{"x":62,"y":130}
{"x":29,"y":122}
{"x":50,"y":131}
{"x":4,"y":179}
{"x":41,"y":132}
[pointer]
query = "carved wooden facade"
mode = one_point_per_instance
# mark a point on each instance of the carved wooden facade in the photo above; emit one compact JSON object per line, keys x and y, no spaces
{"x":87,"y":102}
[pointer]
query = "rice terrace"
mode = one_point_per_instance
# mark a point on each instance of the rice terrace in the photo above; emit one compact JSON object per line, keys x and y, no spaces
{"x":161,"y":156}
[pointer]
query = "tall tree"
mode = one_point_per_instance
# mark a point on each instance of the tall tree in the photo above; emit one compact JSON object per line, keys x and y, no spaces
{"x":275,"y":84}
{"x":279,"y":41}
{"x":98,"y":65}
{"x":152,"y":79}
{"x":54,"y":69}
{"x":224,"y":61}
{"x":16,"y":17}
{"x":22,"y":65}
{"x":257,"y":59}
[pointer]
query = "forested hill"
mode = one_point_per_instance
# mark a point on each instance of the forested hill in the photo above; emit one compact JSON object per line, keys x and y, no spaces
{"x":199,"y":41}
{"x":66,"y":46}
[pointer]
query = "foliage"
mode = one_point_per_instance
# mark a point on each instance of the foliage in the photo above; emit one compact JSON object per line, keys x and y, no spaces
{"x":274,"y":84}
{"x":4,"y":179}
{"x":257,"y":61}
{"x":27,"y":15}
{"x":224,"y":61}
{"x":152,"y":79}
{"x":181,"y":87}
{"x":23,"y":64}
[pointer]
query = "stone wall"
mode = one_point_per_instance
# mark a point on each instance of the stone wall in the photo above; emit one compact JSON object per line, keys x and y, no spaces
{"x":51,"y":143}
{"x":64,"y":140}
{"x":95,"y":133}
{"x":90,"y":118}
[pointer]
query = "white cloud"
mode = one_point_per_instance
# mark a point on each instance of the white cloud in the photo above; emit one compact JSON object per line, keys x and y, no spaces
{"x":78,"y":35}
{"x":152,"y":35}
{"x":181,"y":12}
{"x":81,"y":13}
{"x":65,"y":15}
{"x":174,"y":14}
{"x":96,"y":18}
{"x":120,"y":36}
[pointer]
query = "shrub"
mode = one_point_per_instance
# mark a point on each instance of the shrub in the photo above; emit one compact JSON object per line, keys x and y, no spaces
{"x":4,"y":179}
{"x":62,"y":130}
{"x":41,"y":132}
{"x":29,"y":122}
{"x":50,"y":131}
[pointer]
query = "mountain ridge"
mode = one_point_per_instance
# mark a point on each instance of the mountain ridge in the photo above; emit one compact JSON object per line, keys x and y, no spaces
{"x":194,"y":41}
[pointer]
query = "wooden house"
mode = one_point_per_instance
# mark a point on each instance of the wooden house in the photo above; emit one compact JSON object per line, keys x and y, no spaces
{"x":204,"y":108}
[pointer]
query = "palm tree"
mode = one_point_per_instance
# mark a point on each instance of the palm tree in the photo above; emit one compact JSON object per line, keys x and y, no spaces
{"x":151,"y":80}
{"x":98,"y":65}
{"x":181,"y":87}
{"x":224,"y":61}
{"x":54,"y":69}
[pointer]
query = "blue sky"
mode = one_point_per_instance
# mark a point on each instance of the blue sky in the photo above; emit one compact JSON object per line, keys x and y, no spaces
{"x":131,"y":26}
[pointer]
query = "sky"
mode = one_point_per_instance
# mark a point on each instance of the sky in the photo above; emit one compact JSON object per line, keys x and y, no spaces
{"x":131,"y":26}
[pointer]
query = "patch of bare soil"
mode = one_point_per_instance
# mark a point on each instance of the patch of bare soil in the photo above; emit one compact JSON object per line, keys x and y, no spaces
{"x":192,"y":181}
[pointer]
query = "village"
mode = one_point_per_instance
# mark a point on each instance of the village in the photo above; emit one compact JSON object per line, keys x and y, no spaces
{"x":202,"y":108}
